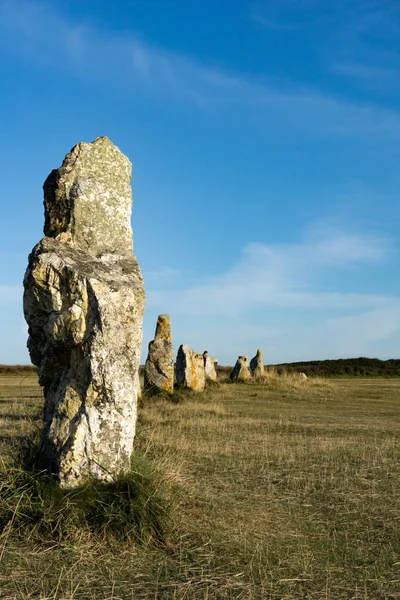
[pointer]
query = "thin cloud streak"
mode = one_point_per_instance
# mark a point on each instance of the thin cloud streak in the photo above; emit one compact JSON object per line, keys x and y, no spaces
{"x":252,"y":305}
{"x":125,"y":62}
{"x":272,"y":25}
{"x":349,"y":336}
{"x":280,"y":276}
{"x":373,"y":76}
{"x":372,"y":332}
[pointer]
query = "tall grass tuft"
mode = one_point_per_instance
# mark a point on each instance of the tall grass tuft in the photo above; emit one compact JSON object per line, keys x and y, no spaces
{"x":131,"y":507}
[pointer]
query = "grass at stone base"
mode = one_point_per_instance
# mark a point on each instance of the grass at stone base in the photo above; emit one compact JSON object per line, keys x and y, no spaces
{"x":278,"y":491}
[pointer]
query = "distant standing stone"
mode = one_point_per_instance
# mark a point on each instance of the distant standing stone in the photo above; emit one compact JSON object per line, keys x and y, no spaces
{"x":257,"y":365}
{"x":209,"y":368}
{"x":159,"y":367}
{"x":241,"y":370}
{"x":84,"y":301}
{"x":190,"y":370}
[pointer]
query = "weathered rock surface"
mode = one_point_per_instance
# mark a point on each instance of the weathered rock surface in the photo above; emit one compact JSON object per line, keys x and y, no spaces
{"x":84,"y":302}
{"x":159,"y":367}
{"x":241,"y":371}
{"x":209,"y":368}
{"x":190,"y":369}
{"x":138,"y":387}
{"x":257,"y":365}
{"x":88,"y":200}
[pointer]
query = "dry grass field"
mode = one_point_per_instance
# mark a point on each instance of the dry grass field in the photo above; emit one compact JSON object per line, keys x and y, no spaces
{"x":279,"y":490}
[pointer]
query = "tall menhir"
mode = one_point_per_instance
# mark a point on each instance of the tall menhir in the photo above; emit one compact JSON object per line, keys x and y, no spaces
{"x":84,"y":302}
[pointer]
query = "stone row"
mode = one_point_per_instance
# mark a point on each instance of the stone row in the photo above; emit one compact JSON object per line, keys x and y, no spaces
{"x":242,"y":370}
{"x":192,"y":369}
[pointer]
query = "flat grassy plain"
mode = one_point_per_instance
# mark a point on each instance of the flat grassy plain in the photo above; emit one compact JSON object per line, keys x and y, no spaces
{"x":282,"y":490}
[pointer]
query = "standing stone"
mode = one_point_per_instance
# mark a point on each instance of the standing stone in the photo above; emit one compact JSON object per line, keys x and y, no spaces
{"x":84,"y":302}
{"x":190,"y":369}
{"x":209,"y":368}
{"x":241,"y":370}
{"x":257,"y":365}
{"x":159,"y":367}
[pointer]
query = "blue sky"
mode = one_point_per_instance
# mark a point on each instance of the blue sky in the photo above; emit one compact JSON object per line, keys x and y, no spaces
{"x":264,"y":138}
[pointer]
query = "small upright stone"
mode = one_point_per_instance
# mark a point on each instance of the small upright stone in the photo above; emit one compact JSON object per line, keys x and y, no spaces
{"x":257,"y":365}
{"x":159,"y":367}
{"x":241,"y":371}
{"x":190,"y":369}
{"x":209,"y":368}
{"x":84,"y":302}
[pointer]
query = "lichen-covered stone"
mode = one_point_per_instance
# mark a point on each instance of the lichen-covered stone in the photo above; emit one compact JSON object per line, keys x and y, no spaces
{"x":241,"y":371}
{"x":190,"y":369}
{"x":209,"y":368}
{"x":257,"y":365}
{"x":88,"y":200}
{"x":159,"y":367}
{"x":84,"y":307}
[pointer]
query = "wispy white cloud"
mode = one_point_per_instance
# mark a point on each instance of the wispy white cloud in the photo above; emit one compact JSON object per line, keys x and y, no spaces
{"x":164,"y":275}
{"x":124,"y":61}
{"x":332,"y":246}
{"x":355,"y":331}
{"x":373,"y":332}
{"x":273,"y":25}
{"x":357,"y":40}
{"x":377,"y":77}
{"x":282,"y":275}
{"x":368,"y":333}
{"x":273,"y":298}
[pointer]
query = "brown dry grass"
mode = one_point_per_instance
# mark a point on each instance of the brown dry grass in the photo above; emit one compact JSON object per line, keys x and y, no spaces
{"x":282,"y":489}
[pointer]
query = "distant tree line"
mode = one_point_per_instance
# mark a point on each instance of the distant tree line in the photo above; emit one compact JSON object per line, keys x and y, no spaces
{"x":17,"y":369}
{"x":341,"y":367}
{"x":345,"y":367}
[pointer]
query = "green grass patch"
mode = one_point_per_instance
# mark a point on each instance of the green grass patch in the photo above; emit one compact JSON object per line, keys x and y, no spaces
{"x":131,"y":507}
{"x":285,"y":489}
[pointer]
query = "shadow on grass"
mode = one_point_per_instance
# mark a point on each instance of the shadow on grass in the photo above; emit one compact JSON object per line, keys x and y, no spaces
{"x":180,"y":394}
